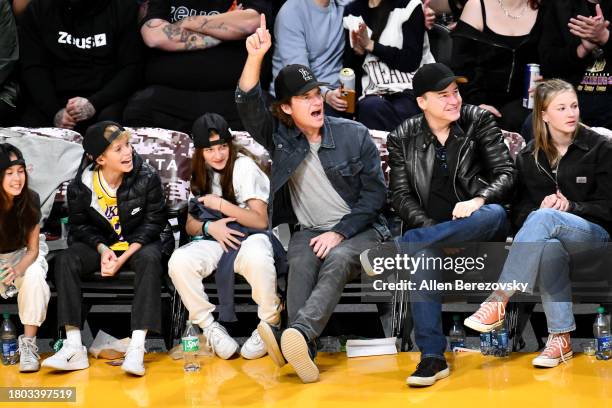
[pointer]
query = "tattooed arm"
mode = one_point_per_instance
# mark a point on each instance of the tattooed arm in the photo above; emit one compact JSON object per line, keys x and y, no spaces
{"x":232,"y":25}
{"x":158,"y":33}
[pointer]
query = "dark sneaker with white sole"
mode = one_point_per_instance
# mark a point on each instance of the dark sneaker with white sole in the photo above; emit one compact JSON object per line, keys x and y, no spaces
{"x":429,"y":370}
{"x":271,"y":336}
{"x":295,"y":348}
{"x":373,"y":259}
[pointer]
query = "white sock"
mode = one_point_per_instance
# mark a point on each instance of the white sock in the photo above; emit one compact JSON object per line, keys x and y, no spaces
{"x":138,"y":338}
{"x":73,"y":336}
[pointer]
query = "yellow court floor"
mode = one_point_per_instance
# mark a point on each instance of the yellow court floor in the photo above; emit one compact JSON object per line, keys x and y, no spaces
{"x":475,"y":381}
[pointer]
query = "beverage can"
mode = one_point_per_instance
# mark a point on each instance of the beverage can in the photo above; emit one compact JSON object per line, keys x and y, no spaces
{"x":532,"y":71}
{"x":347,"y":78}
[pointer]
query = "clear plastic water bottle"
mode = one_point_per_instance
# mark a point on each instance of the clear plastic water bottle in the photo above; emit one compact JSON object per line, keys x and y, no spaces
{"x":485,"y":344}
{"x":64,"y":225}
{"x":500,"y":342}
{"x":457,"y":333}
{"x":191,"y":345}
{"x":601,"y":331}
{"x":9,"y":341}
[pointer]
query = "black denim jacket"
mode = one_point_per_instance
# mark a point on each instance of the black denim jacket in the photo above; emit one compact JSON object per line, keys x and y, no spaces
{"x":349,"y":158}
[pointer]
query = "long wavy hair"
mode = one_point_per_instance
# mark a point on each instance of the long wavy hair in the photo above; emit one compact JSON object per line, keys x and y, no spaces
{"x":545,"y":92}
{"x":201,"y":180}
{"x":20,"y":216}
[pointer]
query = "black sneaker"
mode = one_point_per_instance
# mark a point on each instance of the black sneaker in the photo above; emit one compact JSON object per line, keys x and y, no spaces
{"x":429,"y":370}
{"x":271,"y":336}
{"x":372,"y":260}
{"x":296,"y":350}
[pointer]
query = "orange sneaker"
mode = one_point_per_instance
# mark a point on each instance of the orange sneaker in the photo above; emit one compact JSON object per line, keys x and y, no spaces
{"x":489,"y":316}
{"x":558,"y":348}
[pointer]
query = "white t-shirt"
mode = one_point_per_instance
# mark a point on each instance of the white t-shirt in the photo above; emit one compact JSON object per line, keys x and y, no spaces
{"x":250,"y":182}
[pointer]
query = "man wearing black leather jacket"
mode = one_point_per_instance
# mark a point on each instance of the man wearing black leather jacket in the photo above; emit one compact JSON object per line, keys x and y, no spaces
{"x":450,"y":174}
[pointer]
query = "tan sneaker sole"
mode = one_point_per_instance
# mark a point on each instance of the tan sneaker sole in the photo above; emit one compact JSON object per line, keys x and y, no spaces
{"x":480,"y":327}
{"x":295,"y":350}
{"x":267,"y":336}
{"x":546,"y":362}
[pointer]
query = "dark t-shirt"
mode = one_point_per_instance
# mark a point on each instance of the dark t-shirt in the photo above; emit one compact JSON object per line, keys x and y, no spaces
{"x":213,"y":69}
{"x":12,"y":236}
{"x":442,"y":197}
{"x":597,"y":79}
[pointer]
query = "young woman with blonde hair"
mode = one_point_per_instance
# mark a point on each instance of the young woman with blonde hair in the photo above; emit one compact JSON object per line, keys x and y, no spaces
{"x":565,"y":207}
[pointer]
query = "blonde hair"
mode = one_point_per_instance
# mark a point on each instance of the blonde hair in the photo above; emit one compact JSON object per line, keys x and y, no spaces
{"x":544,"y":93}
{"x":108,"y":131}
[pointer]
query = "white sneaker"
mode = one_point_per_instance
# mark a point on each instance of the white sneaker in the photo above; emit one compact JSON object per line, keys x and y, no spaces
{"x":221,"y":343}
{"x":68,"y":358}
{"x":28,"y":355}
{"x":133,"y":361}
{"x":254,"y":347}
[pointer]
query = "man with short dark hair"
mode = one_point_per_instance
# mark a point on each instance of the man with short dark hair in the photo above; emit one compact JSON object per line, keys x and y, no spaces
{"x":326,"y":175}
{"x":450,"y":171}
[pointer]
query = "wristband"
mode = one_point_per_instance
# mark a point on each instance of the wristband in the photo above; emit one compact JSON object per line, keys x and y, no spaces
{"x":205,"y":229}
{"x":102,"y":248}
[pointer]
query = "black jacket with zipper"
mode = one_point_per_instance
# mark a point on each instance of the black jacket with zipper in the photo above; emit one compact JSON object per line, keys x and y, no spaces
{"x":495,"y":71}
{"x":584,"y":177}
{"x":483,"y":166}
{"x":141,"y":202}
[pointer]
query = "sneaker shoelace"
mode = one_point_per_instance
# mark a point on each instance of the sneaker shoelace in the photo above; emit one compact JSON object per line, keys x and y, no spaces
{"x":210,"y":333}
{"x":28,"y":350}
{"x":256,"y":339}
{"x":558,"y":342}
{"x":488,"y":308}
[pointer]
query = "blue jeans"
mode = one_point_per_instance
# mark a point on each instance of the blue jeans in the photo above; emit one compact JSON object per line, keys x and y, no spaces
{"x":542,"y":250}
{"x":489,"y":223}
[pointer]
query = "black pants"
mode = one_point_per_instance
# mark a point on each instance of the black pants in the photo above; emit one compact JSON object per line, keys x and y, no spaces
{"x":177,"y":109}
{"x":80,"y":260}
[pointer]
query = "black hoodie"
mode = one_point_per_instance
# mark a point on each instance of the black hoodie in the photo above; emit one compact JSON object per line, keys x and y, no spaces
{"x":82,"y":48}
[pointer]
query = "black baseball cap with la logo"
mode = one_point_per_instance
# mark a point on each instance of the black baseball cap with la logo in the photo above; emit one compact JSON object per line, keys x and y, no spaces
{"x":294,"y":80}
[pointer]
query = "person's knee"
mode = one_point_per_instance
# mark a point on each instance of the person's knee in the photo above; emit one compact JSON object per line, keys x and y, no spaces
{"x":256,"y":252}
{"x":67,"y":261}
{"x":372,"y":105}
{"x":495,"y":213}
{"x":546,"y":216}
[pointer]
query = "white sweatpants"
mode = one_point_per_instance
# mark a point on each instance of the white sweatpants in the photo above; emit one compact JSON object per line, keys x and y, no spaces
{"x":255,"y":262}
{"x":34,"y":294}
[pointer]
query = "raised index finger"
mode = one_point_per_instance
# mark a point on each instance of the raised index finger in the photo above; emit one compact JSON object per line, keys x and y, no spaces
{"x":262,"y":24}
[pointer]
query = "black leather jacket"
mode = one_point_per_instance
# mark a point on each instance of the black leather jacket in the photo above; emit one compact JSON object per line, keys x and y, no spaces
{"x":141,"y":202}
{"x":483,"y":166}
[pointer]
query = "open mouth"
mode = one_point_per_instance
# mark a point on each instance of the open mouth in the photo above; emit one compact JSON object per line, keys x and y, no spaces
{"x":126,"y":162}
{"x":318,"y":114}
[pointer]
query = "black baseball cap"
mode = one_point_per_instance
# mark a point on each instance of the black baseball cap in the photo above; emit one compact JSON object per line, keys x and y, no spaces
{"x":294,"y":80}
{"x":434,"y":78}
{"x":210,"y":122}
{"x":5,"y":156}
{"x":94,"y":142}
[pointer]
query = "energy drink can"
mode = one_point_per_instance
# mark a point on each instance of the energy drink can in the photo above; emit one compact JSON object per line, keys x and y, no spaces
{"x":532,"y":71}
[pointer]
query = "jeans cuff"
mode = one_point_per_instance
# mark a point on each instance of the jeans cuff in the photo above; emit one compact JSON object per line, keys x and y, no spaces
{"x":437,"y":356}
{"x":559,"y":331}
